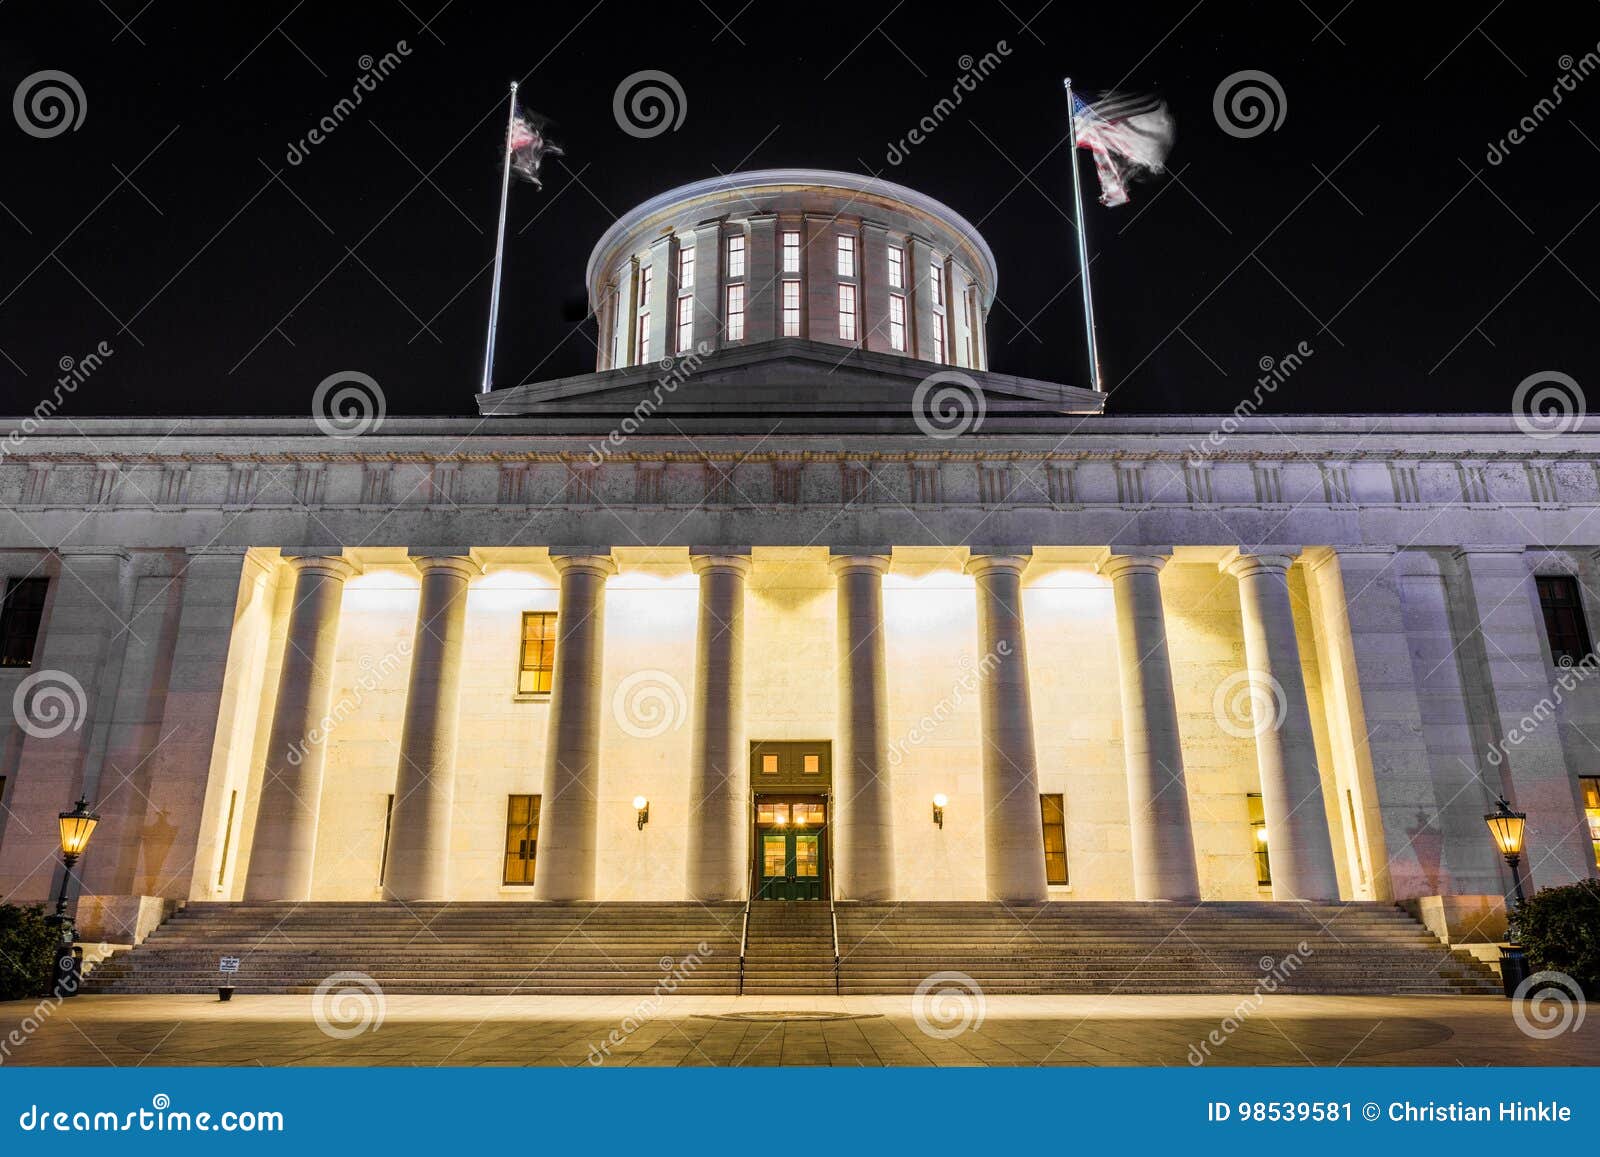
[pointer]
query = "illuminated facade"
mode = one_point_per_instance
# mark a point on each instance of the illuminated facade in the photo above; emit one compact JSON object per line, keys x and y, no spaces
{"x":794,"y":597}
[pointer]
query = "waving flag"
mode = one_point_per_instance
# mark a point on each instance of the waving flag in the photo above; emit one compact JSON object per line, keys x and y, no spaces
{"x":528,"y":146}
{"x":1129,"y":136}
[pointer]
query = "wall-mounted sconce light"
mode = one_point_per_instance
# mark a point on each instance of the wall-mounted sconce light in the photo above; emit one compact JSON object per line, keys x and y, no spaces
{"x":939,"y":801}
{"x":642,"y":806}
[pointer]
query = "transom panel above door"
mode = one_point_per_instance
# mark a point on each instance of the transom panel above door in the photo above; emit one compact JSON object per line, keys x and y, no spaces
{"x":791,"y":765}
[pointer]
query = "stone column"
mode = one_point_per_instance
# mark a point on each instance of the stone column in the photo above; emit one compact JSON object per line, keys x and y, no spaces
{"x":710,"y":256}
{"x":718,"y":767}
{"x":1286,"y":752}
{"x":424,"y":792}
{"x":291,"y":786}
{"x":1158,"y":797}
{"x":1524,"y":716}
{"x":862,"y":819}
{"x":762,"y":290}
{"x":1013,"y":829}
{"x":568,"y":809}
{"x":919,"y":279}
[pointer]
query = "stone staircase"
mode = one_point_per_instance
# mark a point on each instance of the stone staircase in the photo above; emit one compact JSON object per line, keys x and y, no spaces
{"x":1122,"y":947}
{"x":460,"y":948}
{"x":790,"y":949}
{"x":629,"y":948}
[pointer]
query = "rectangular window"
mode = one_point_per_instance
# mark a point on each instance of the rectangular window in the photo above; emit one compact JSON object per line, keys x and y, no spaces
{"x":847,"y":256}
{"x":1590,"y":785}
{"x":1258,"y":838}
{"x":644,"y":289}
{"x":685,"y":323}
{"x":522,"y":838}
{"x":1054,"y":814}
{"x":769,"y":763}
{"x":791,"y":251}
{"x":19,"y":620}
{"x":642,"y":334}
{"x":644,"y":338}
{"x":685,"y":269}
{"x":897,"y":267}
{"x":936,"y":284}
{"x":791,"y":309}
{"x":538,"y":659}
{"x":897,"y":321}
{"x":735,"y":257}
{"x":938,"y":339}
{"x":847,"y":312}
{"x":1563,"y":619}
{"x":736,"y":313}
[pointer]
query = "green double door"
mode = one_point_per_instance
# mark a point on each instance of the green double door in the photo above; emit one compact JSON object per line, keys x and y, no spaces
{"x":791,"y":864}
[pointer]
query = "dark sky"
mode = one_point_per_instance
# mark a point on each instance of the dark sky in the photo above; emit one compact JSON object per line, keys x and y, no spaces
{"x":1368,"y":223}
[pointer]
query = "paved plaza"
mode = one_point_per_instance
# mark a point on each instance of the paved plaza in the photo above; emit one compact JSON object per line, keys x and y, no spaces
{"x":362,"y":1029}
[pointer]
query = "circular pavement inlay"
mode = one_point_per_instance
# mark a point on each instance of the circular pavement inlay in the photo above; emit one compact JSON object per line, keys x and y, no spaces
{"x":781,"y":1014}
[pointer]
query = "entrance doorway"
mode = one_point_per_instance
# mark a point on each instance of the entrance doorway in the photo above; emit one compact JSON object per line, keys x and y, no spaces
{"x":791,"y":848}
{"x":790,"y":856}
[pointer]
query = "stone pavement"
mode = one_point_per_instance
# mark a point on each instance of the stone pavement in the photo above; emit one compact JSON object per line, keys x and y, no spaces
{"x":574,"y":1031}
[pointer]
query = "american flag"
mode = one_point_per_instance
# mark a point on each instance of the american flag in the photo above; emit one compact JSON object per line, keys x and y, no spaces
{"x":1130,"y":137}
{"x":529,"y":147}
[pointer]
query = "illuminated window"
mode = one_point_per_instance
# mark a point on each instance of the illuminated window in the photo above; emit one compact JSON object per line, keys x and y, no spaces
{"x":1053,"y":812}
{"x":522,"y":838}
{"x":847,"y":256}
{"x":936,"y":296}
{"x":685,"y":323}
{"x":769,"y":764}
{"x":772,"y":814}
{"x":936,"y":284}
{"x":1563,"y":619}
{"x":847,"y":312}
{"x":791,"y":251}
{"x":812,"y":765}
{"x":736,"y":313}
{"x":685,"y":269}
{"x":538,"y":660}
{"x":897,"y":322}
{"x":938,"y":339}
{"x":807,"y":813}
{"x":791,"y":309}
{"x":1590,"y":784}
{"x":1258,"y":838}
{"x":20,"y":616}
{"x":736,"y":256}
{"x":897,"y":267}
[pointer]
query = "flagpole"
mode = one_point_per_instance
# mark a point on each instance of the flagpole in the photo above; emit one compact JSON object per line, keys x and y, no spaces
{"x":1083,"y":246}
{"x":499,"y":247}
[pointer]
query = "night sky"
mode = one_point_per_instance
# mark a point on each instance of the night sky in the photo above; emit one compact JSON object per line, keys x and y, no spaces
{"x":1368,"y":223}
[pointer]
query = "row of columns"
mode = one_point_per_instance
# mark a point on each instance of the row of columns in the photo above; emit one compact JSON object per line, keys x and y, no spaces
{"x":1162,"y":836}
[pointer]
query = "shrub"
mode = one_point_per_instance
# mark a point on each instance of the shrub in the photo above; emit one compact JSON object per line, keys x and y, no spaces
{"x":27,"y":952}
{"x":1560,"y":928}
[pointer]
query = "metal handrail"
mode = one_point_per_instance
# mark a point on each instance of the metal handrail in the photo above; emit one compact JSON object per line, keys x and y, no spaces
{"x":833,"y":914}
{"x":744,"y":943}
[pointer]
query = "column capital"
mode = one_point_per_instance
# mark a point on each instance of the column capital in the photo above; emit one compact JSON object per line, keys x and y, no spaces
{"x":1119,"y":560}
{"x":463,"y":564}
{"x":1241,"y":561}
{"x":334,"y":566}
{"x":1013,"y":561}
{"x":705,"y":561}
{"x":1480,"y":548}
{"x":843,"y":564}
{"x":596,"y":563}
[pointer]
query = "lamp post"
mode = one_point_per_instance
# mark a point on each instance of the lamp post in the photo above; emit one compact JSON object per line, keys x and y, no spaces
{"x":1508,"y":829}
{"x":77,"y":826}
